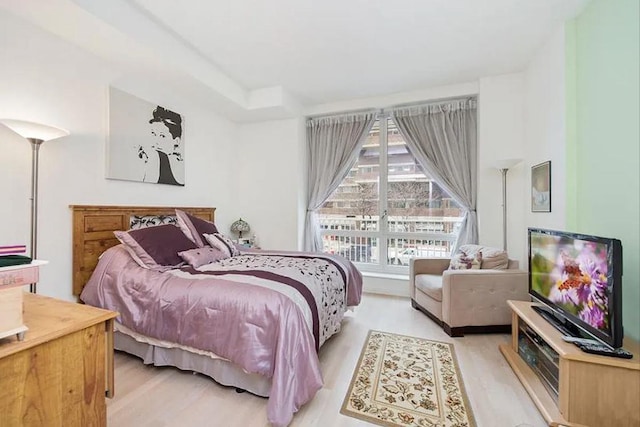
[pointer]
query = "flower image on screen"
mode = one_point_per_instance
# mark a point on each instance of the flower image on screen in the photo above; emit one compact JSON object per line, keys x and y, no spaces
{"x":573,"y":275}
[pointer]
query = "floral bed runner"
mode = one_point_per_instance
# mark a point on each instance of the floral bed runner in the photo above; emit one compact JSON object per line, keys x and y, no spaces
{"x":407,"y":381}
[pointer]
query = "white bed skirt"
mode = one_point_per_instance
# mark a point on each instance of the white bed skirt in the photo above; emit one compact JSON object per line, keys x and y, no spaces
{"x":221,"y":370}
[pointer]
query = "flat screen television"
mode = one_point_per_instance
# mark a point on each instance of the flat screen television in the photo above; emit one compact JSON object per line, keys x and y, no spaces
{"x":578,"y":278}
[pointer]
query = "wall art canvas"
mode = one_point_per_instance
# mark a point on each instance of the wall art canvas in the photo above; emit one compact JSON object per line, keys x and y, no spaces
{"x":146,"y":141}
{"x":541,"y":187}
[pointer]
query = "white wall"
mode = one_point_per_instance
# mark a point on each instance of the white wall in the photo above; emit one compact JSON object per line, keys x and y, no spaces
{"x":47,"y":80}
{"x":501,"y":136}
{"x":270,"y":181}
{"x":545,"y":127}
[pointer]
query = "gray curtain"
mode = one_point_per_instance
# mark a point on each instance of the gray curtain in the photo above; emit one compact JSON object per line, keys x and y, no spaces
{"x":333,"y":147}
{"x":443,"y":138}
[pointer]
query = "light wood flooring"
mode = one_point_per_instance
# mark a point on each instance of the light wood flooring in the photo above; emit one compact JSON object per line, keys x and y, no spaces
{"x":151,"y":396}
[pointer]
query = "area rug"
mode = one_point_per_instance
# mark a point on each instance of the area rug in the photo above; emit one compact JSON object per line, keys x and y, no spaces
{"x":407,"y":381}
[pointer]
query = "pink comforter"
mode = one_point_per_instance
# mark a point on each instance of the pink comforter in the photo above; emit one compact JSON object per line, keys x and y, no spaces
{"x":262,"y":330}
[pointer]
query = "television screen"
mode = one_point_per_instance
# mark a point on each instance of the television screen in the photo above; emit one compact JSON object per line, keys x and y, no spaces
{"x":575,"y":274}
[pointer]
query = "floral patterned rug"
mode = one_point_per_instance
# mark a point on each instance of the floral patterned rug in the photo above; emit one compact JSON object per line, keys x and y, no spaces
{"x":407,"y":381}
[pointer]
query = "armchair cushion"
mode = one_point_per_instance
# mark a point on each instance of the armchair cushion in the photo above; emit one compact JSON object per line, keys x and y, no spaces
{"x":430,"y":284}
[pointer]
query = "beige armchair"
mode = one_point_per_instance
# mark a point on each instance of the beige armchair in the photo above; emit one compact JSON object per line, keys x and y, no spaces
{"x":466,"y":301}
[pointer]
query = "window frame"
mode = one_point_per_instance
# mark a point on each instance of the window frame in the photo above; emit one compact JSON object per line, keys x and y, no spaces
{"x":383,"y":234}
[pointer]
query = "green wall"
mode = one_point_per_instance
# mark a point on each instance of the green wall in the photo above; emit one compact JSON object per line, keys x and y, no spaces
{"x":603,"y":137}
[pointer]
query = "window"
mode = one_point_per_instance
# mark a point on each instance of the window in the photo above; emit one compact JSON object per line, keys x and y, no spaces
{"x":387,"y":210}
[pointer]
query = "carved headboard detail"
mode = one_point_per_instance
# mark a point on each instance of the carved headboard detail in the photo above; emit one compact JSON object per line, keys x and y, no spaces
{"x":93,"y":228}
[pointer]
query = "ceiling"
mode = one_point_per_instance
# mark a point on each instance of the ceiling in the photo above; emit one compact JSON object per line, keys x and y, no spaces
{"x":331,"y":50}
{"x":262,"y":55}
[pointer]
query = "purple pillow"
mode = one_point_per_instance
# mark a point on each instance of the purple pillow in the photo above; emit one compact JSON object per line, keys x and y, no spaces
{"x":201,"y":256}
{"x":156,"y":248}
{"x":195,"y":228}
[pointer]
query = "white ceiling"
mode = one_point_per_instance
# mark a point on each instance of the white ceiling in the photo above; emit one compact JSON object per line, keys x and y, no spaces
{"x":331,"y":50}
{"x":268,"y":59}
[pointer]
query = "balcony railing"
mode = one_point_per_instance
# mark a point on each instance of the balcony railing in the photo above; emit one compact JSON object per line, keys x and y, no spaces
{"x":359,"y":239}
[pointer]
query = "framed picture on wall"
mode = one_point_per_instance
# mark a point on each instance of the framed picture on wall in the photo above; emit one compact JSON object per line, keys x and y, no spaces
{"x":146,"y":141}
{"x":541,"y":187}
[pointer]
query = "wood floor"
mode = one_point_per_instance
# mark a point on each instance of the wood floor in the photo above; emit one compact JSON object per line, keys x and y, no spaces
{"x":150,"y":396}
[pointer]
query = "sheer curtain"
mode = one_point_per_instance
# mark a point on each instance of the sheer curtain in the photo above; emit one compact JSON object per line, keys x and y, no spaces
{"x":443,"y":138}
{"x":333,"y":147}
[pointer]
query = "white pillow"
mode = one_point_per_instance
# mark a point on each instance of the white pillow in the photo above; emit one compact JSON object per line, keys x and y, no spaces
{"x":222,"y":243}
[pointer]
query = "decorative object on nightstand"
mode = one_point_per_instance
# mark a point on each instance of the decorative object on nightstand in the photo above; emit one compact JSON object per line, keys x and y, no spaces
{"x":36,"y":134}
{"x":504,"y":166}
{"x":240,"y":226}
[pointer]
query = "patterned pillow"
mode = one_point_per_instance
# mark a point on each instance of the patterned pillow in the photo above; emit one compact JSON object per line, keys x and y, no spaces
{"x":201,"y":256}
{"x":195,"y":228}
{"x":466,"y":261}
{"x":156,"y":248}
{"x":223,"y":243}
{"x":492,"y":258}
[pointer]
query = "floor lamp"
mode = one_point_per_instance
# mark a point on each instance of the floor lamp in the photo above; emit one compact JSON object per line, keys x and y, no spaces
{"x":36,"y":134}
{"x":504,"y":166}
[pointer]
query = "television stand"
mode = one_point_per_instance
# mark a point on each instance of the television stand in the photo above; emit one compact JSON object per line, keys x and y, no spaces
{"x":568,"y":386}
{"x":564,"y":327}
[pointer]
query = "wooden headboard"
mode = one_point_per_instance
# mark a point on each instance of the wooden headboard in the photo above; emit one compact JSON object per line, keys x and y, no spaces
{"x":93,"y":228}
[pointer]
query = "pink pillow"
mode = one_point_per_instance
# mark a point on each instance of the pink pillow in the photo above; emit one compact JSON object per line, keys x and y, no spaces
{"x":195,"y":228}
{"x":222,"y":243}
{"x":201,"y":256}
{"x":156,"y":248}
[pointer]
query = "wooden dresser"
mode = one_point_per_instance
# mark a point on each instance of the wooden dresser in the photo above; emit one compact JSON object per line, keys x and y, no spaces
{"x":59,"y":374}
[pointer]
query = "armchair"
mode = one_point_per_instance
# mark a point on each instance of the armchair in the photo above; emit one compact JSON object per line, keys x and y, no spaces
{"x":466,"y":301}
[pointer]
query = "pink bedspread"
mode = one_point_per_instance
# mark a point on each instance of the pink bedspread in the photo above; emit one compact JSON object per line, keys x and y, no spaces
{"x":250,"y":309}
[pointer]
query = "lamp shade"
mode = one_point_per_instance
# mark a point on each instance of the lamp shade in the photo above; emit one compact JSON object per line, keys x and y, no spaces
{"x":506,"y":163}
{"x":240,"y":226}
{"x":31,"y":130}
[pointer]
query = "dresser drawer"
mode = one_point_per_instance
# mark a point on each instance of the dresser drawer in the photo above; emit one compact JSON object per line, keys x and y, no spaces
{"x":18,"y":276}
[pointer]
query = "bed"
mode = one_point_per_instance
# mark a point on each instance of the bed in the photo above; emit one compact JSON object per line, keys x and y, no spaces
{"x":255,"y":320}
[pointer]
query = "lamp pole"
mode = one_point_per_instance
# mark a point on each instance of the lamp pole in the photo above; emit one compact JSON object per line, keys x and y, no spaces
{"x":35,"y":151}
{"x":504,"y":208}
{"x":503,"y":166}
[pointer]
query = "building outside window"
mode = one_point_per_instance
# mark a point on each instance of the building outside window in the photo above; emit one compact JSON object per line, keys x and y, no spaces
{"x":388,"y":210}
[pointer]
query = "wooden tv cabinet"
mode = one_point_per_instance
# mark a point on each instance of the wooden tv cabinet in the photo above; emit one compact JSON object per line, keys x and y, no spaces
{"x":591,"y":390}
